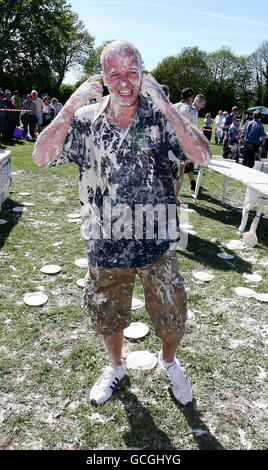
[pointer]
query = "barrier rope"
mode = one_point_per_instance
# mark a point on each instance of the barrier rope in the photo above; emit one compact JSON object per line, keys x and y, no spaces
{"x":19,"y":109}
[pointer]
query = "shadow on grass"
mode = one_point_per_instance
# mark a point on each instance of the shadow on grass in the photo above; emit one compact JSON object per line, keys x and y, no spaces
{"x":201,"y":434}
{"x":144,"y":433}
{"x":12,"y":219}
{"x":205,"y":252}
{"x":228,"y":214}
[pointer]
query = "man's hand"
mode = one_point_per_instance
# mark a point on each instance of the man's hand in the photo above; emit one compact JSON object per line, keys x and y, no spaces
{"x":150,"y":86}
{"x":89,"y":90}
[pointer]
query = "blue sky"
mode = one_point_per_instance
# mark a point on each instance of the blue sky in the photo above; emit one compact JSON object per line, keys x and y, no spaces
{"x":162,"y":28}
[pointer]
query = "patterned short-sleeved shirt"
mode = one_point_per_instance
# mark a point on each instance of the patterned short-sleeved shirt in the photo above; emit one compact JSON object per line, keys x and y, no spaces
{"x":188,"y":111}
{"x":125,"y":186}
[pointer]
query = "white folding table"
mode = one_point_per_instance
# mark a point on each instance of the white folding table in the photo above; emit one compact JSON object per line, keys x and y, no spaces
{"x":255,"y":180}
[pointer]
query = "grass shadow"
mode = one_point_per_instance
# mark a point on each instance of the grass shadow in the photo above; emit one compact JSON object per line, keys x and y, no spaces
{"x":201,"y":434}
{"x":205,"y":252}
{"x":10,"y":143}
{"x":12,"y":219}
{"x":144,"y":433}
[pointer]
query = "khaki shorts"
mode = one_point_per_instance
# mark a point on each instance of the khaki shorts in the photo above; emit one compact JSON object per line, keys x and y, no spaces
{"x":108,"y":296}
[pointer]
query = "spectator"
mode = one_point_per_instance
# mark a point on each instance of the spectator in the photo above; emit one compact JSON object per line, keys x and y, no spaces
{"x":28,"y":117}
{"x":234,"y":135}
{"x":207,"y":130}
{"x":17,"y":102}
{"x":10,"y":121}
{"x":56,"y":106}
{"x":39,"y":106}
{"x":225,"y":114}
{"x":217,"y":129}
{"x":254,"y":135}
{"x":46,"y":112}
{"x":2,"y":115}
{"x":227,"y":124}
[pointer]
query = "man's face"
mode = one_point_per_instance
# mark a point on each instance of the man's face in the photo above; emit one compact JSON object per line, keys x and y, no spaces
{"x":235,"y":112}
{"x":122,"y":76}
{"x":200,"y":104}
{"x":34,"y":96}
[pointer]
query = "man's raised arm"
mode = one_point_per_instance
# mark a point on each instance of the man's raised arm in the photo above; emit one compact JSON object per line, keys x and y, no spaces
{"x":50,"y":142}
{"x":192,"y":142}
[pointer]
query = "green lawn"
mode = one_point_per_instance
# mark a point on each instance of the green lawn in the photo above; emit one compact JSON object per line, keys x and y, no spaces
{"x":50,"y":357}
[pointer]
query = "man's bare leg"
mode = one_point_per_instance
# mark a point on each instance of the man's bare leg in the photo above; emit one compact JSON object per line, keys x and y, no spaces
{"x":114,"y":344}
{"x":169,"y":350}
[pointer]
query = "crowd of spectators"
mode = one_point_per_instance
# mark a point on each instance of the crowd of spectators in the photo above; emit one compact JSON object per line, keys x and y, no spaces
{"x":30,"y":114}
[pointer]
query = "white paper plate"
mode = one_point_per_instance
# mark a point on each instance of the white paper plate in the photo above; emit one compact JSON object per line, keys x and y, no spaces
{"x":82,"y":262}
{"x":261,"y":297}
{"x":50,"y":269}
{"x":35,"y":298}
{"x":186,"y":226}
{"x":190,"y":316}
{"x":141,"y":360}
{"x":250,"y":239}
{"x":74,"y":215}
{"x":3,"y":221}
{"x":244,"y":292}
{"x":28,"y":204}
{"x":19,"y":209}
{"x":203,"y":276}
{"x":254,"y":277}
{"x":24,"y":193}
{"x":76,"y":221}
{"x":234,"y":245}
{"x":136,"y":330}
{"x":137,"y":303}
{"x":81,"y":282}
{"x":225,"y":256}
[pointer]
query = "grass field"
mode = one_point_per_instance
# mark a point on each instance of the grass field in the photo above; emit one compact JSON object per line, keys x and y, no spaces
{"x":50,"y":357}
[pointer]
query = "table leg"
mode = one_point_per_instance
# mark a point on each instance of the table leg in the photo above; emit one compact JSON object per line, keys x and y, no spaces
{"x":256,"y":219}
{"x":198,"y":182}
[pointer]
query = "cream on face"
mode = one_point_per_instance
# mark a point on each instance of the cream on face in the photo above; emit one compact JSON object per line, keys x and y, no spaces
{"x":122,"y":75}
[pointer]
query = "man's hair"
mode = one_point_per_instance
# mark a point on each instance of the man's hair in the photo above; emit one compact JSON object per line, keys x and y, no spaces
{"x":165,"y":89}
{"x":187,"y":93}
{"x":257,"y":114}
{"x":34,"y":92}
{"x":116,"y":46}
{"x":234,"y":108}
{"x":200,"y":97}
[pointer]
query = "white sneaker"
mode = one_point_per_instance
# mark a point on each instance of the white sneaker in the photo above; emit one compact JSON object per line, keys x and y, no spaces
{"x":178,"y":380}
{"x":104,"y":387}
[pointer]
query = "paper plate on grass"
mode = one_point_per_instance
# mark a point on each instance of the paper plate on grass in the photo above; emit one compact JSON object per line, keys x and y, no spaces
{"x":29,"y":204}
{"x":137,"y":303}
{"x":234,"y":245}
{"x":74,"y":215}
{"x":250,"y":239}
{"x":225,"y":256}
{"x":19,"y":209}
{"x":136,"y":330}
{"x":190,"y":316}
{"x":3,"y":221}
{"x":261,"y":297}
{"x":186,"y":226}
{"x":141,"y":360}
{"x":203,"y":276}
{"x":254,"y":277}
{"x":75,"y":221}
{"x":50,"y":269}
{"x":82,"y":262}
{"x":24,"y":193}
{"x":81,"y":282}
{"x":35,"y":298}
{"x":244,"y":292}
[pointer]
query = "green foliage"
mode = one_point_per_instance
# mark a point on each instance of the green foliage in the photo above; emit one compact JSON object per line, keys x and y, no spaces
{"x":40,"y":40}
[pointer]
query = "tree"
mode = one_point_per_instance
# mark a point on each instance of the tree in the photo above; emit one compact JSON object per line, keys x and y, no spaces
{"x":187,"y":69}
{"x":40,"y":40}
{"x":259,"y":64}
